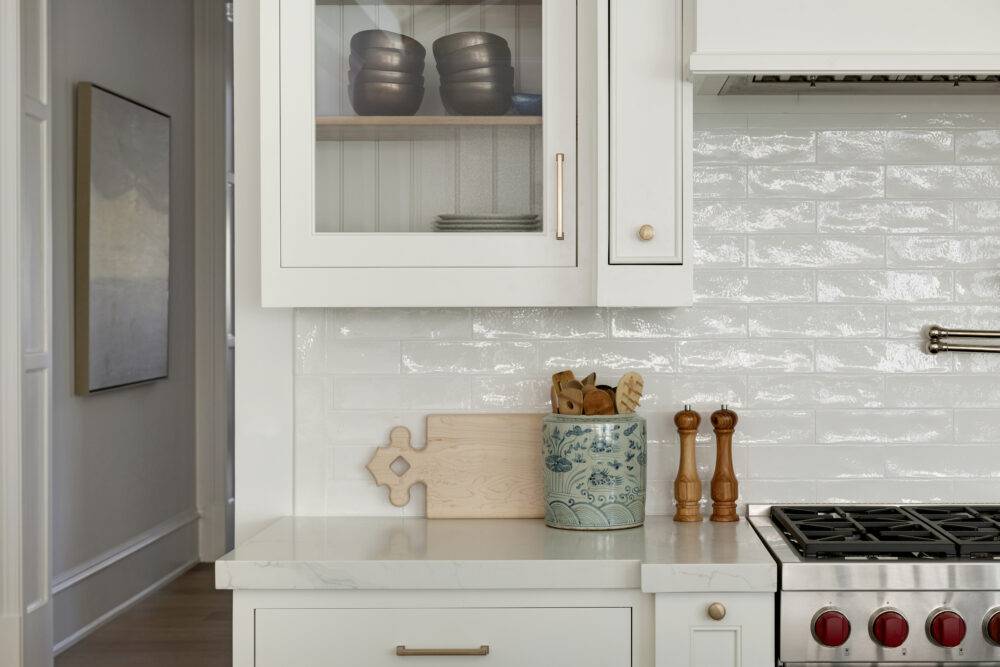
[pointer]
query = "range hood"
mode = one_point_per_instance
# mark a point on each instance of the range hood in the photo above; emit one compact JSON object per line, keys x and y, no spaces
{"x":845,"y":46}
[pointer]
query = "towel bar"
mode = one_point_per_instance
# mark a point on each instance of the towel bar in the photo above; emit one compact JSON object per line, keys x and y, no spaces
{"x":935,"y":345}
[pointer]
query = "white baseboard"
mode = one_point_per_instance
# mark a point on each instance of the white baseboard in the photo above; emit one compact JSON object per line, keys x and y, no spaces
{"x":91,"y":567}
{"x":112,"y":613}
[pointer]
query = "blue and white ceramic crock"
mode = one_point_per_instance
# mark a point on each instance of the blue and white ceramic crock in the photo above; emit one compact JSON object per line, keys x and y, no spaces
{"x":595,"y":471}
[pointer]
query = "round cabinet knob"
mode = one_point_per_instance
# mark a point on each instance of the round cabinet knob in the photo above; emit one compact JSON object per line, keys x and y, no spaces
{"x":890,"y":629}
{"x":717,"y":611}
{"x":991,"y":628}
{"x":831,"y":628}
{"x":946,"y":629}
{"x":646,"y":233}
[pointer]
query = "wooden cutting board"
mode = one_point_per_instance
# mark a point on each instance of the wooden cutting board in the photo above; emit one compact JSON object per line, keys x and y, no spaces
{"x":486,"y":466}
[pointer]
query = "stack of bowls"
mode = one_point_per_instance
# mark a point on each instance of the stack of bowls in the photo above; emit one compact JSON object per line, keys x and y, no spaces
{"x":386,"y":75}
{"x":476,"y":75}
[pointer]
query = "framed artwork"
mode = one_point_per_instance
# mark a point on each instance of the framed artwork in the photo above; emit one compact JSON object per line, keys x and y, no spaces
{"x":122,"y":241}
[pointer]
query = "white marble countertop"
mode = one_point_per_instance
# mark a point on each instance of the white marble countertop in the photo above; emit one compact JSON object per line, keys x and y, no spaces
{"x":346,"y":553}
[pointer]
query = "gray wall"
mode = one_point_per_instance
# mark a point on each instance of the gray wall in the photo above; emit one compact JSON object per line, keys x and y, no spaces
{"x":123,"y":468}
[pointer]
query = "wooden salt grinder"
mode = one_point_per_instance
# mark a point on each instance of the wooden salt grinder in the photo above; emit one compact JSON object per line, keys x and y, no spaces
{"x":687,"y":486}
{"x":725,"y":487}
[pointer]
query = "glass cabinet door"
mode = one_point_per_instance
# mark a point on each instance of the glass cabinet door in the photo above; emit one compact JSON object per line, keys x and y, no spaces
{"x":428,"y":133}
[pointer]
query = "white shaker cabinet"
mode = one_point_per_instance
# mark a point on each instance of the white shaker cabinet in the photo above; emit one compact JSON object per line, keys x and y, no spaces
{"x":714,"y":630}
{"x":581,"y":202}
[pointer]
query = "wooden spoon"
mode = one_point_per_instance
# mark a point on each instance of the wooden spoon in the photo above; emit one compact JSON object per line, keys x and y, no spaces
{"x":598,"y":402}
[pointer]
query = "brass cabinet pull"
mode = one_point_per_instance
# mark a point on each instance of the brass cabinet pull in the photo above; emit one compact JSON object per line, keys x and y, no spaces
{"x":403,"y":651}
{"x":560,"y":168}
{"x":717,"y":611}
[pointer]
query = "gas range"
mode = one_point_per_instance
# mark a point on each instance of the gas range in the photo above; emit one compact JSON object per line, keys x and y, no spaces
{"x":885,"y":584}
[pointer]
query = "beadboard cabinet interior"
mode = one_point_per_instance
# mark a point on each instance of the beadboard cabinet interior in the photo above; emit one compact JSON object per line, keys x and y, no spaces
{"x":352,"y":195}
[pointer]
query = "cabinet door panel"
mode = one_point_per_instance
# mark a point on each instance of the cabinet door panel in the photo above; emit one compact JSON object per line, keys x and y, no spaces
{"x":516,"y":637}
{"x":646,"y":139}
{"x":363,"y":186}
{"x":687,"y":637}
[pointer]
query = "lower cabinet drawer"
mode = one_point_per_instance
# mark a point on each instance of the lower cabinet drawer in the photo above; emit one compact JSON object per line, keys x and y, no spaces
{"x":515,"y":637}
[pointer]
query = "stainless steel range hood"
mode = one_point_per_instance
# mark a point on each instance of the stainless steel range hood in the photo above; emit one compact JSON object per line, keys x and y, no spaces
{"x":769,"y":47}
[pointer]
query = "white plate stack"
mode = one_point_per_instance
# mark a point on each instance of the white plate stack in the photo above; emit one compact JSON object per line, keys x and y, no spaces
{"x":461,"y":222}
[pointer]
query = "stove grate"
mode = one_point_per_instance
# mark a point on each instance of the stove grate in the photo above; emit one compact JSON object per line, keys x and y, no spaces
{"x":974,"y":529}
{"x":861,"y":531}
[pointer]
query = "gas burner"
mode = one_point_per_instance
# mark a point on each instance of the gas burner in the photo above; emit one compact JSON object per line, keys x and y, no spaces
{"x":975,"y":529}
{"x":861,"y":532}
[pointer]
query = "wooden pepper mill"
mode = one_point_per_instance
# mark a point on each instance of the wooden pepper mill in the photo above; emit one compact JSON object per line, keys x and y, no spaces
{"x":725,"y":487}
{"x":687,"y":486}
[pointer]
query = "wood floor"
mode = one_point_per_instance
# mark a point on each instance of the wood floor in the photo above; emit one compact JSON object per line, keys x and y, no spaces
{"x":186,"y":624}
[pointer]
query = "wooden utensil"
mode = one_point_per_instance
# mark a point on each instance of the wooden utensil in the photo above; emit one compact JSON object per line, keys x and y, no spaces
{"x":474,"y":466}
{"x":562,"y":376}
{"x":687,"y":485}
{"x":554,"y":396}
{"x":571,"y":402}
{"x":590,"y":380}
{"x":598,"y":402}
{"x":725,"y":486}
{"x":629,"y":393}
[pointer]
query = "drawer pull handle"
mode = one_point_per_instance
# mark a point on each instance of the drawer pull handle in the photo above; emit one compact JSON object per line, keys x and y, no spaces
{"x":560,"y":178}
{"x":717,"y":611}
{"x":403,"y":651}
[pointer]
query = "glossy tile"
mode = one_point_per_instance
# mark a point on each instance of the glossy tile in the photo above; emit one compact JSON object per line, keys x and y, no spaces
{"x":816,"y":182}
{"x":817,"y":321}
{"x":883,"y":426}
{"x":720,"y":182}
{"x":819,"y":390}
{"x":816,"y":252}
{"x":882,"y":356}
{"x":981,"y":146}
{"x":883,"y":286}
{"x":735,"y":286}
{"x":469,"y":357}
{"x":943,"y":251}
{"x":738,"y":216}
{"x":978,"y":216}
{"x":888,"y":217}
{"x":784,"y":356}
{"x":943,"y":181}
{"x":708,"y":321}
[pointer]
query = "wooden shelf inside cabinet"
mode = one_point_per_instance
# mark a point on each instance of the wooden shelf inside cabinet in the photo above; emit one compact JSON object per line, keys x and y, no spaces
{"x":347,"y":127}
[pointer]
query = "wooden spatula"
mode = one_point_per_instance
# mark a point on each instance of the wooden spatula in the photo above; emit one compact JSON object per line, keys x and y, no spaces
{"x":628,"y":395}
{"x":598,"y":402}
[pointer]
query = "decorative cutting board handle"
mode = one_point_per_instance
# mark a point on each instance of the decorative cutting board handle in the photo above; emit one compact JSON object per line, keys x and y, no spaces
{"x":399,"y":447}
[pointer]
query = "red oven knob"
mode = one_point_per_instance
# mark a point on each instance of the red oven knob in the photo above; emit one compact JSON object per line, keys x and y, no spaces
{"x":890,"y":629}
{"x":831,"y":628}
{"x":992,"y":628}
{"x":947,"y":629}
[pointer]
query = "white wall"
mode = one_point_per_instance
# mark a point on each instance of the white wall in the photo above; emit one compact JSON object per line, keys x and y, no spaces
{"x":824,"y":242}
{"x":124,"y":461}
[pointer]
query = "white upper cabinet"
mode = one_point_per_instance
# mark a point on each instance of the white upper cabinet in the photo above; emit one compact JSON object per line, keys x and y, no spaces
{"x":469,"y":152}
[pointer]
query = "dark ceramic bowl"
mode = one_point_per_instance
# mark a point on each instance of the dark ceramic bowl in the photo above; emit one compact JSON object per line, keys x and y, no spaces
{"x":526,"y":104}
{"x":385,"y":99}
{"x":480,"y":98}
{"x":504,"y":75}
{"x":387,"y":59}
{"x":472,"y":57}
{"x":460,"y":40}
{"x":356,"y":76}
{"x":383,"y":39}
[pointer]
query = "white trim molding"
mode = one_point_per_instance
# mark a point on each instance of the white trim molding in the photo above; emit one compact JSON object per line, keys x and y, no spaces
{"x":124,"y":550}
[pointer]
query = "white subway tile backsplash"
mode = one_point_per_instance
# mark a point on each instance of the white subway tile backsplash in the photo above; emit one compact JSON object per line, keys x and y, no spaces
{"x":882,"y":356}
{"x":883,"y":426}
{"x":977,"y":286}
{"x":720,"y":182}
{"x":816,"y":182}
{"x":883,"y":286}
{"x":362,"y":356}
{"x":943,"y":251}
{"x":785,"y":356}
{"x":609,"y":357}
{"x":823,"y":244}
{"x":500,"y":323}
{"x":816,"y":390}
{"x":978,"y":146}
{"x":753,"y":286}
{"x":978,"y":216}
{"x":974,"y":426}
{"x":946,"y":391}
{"x":889,"y":217}
{"x":469,"y":357}
{"x":707,"y":321}
{"x":817,"y":322}
{"x":943,"y":181}
{"x":816,"y":252}
{"x":721,"y":252}
{"x":739,"y":216}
